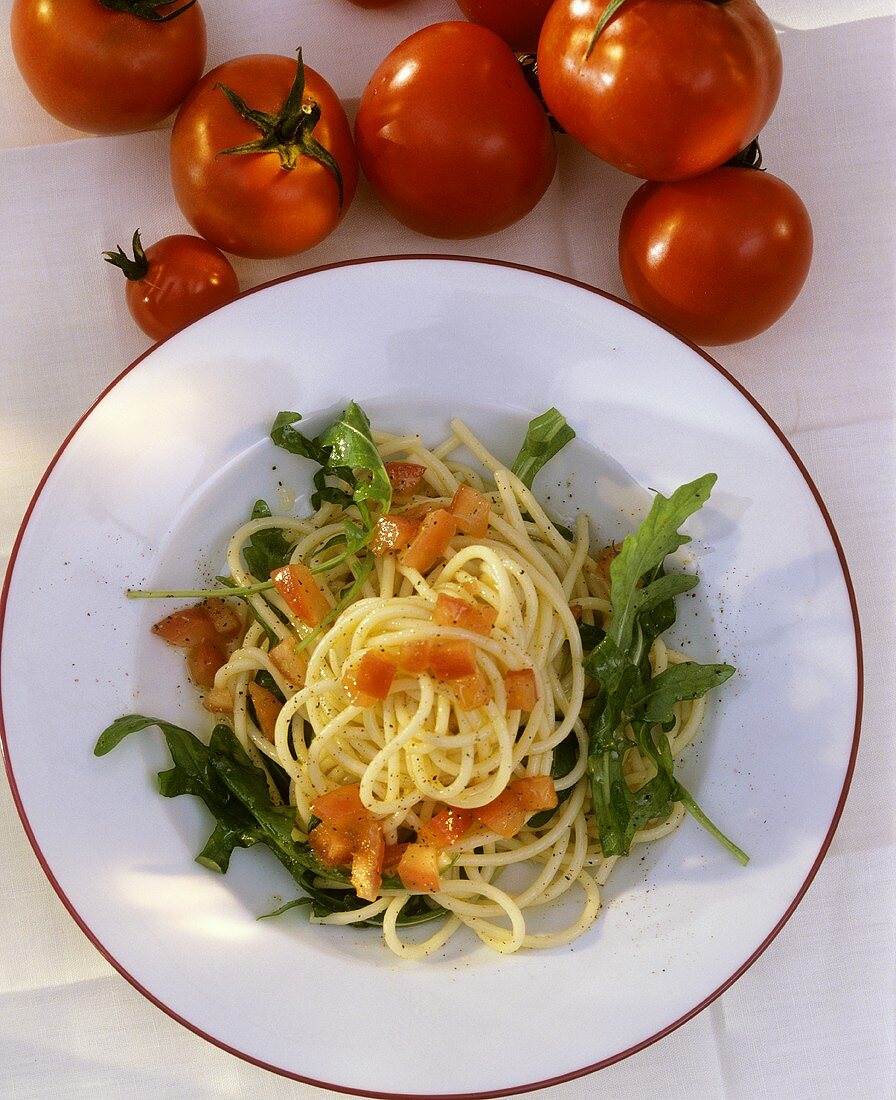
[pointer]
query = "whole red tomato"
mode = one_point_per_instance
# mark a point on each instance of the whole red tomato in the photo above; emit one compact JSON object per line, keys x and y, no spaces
{"x":108,"y":68}
{"x":719,"y":257}
{"x":669,"y":89}
{"x":175,"y":281}
{"x":262,"y":159}
{"x":450,"y":135}
{"x":518,"y":22}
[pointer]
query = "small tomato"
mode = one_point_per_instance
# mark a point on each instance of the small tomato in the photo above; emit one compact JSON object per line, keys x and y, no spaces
{"x":174,"y":282}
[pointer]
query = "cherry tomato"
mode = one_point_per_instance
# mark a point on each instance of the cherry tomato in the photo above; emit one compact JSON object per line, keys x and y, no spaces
{"x":175,"y":281}
{"x":719,"y":257}
{"x":450,"y":135}
{"x":669,"y":89}
{"x":108,"y":69}
{"x":518,"y":22}
{"x":263,"y":186}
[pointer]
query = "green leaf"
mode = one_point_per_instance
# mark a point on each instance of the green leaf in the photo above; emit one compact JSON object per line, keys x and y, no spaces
{"x":644,"y":552}
{"x":652,"y":702}
{"x":546,"y":436}
{"x":347,"y":454}
{"x":268,"y":548}
{"x":634,"y":705}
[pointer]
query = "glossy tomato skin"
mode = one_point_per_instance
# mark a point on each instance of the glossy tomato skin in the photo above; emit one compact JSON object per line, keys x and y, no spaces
{"x":671,"y":89}
{"x":249,"y":204}
{"x":518,"y":22}
{"x":719,"y":258}
{"x":452,"y":139}
{"x":106,"y":72}
{"x":187,"y":278}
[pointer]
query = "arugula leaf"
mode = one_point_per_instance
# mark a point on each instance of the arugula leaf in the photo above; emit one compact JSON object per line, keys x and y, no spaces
{"x":546,"y":436}
{"x":346,"y":454}
{"x":231,"y":786}
{"x":236,"y":792}
{"x":633,"y":707}
{"x":267,"y":549}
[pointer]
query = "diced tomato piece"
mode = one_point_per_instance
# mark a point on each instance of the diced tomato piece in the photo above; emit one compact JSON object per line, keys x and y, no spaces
{"x":225,"y":618}
{"x":404,"y":477}
{"x":535,"y":792}
{"x":430,"y":542}
{"x":392,"y":856}
{"x":203,"y":661}
{"x":521,"y":688}
{"x":471,"y":511}
{"x":367,"y":860}
{"x":450,"y":659}
{"x":446,"y":827}
{"x":342,"y":807}
{"x":292,"y":665}
{"x":450,"y":611}
{"x":418,"y":869}
{"x":267,"y":708}
{"x":218,"y":701}
{"x":303,"y":596}
{"x":188,"y":627}
{"x":473,"y":691}
{"x":332,"y":846}
{"x":393,"y":533}
{"x":413,"y":657}
{"x":370,"y":679}
{"x":505,"y":814}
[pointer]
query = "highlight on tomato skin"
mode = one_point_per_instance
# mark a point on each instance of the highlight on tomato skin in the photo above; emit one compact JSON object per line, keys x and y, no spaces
{"x":718,"y":258}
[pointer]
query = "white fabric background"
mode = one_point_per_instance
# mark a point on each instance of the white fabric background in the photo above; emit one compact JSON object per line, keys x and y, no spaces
{"x":815,"y":1015}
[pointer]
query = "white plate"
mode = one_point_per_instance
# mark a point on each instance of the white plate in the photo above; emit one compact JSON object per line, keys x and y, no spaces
{"x":170,"y":460}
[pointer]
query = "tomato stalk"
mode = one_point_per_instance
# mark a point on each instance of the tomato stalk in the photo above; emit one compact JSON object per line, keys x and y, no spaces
{"x":748,"y":157}
{"x":529,"y":64}
{"x":290,"y":132}
{"x":134,"y":269}
{"x":611,"y":9}
{"x":147,"y":9}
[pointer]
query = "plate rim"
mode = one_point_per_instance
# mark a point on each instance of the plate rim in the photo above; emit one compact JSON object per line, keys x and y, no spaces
{"x":620,"y":1055}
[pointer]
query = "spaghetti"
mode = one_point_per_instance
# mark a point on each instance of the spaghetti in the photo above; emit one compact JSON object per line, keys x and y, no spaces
{"x":437,"y":747}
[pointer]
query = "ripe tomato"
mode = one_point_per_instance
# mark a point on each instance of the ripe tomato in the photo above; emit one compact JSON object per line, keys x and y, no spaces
{"x":108,"y":68}
{"x":518,"y":22}
{"x":175,"y":281}
{"x":450,"y":135}
{"x":670,"y":88}
{"x":273,"y":185}
{"x":719,"y":257}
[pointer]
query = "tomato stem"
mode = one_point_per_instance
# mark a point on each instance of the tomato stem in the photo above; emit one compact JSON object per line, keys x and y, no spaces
{"x":134,"y":269}
{"x":529,"y":64}
{"x":290,"y":132}
{"x":748,"y":157}
{"x":147,"y":9}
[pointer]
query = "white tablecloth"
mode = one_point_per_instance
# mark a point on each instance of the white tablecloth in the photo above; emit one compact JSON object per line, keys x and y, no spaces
{"x":815,"y":1015}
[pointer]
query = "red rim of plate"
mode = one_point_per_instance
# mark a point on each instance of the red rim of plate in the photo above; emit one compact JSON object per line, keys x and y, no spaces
{"x":584,"y":1070}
